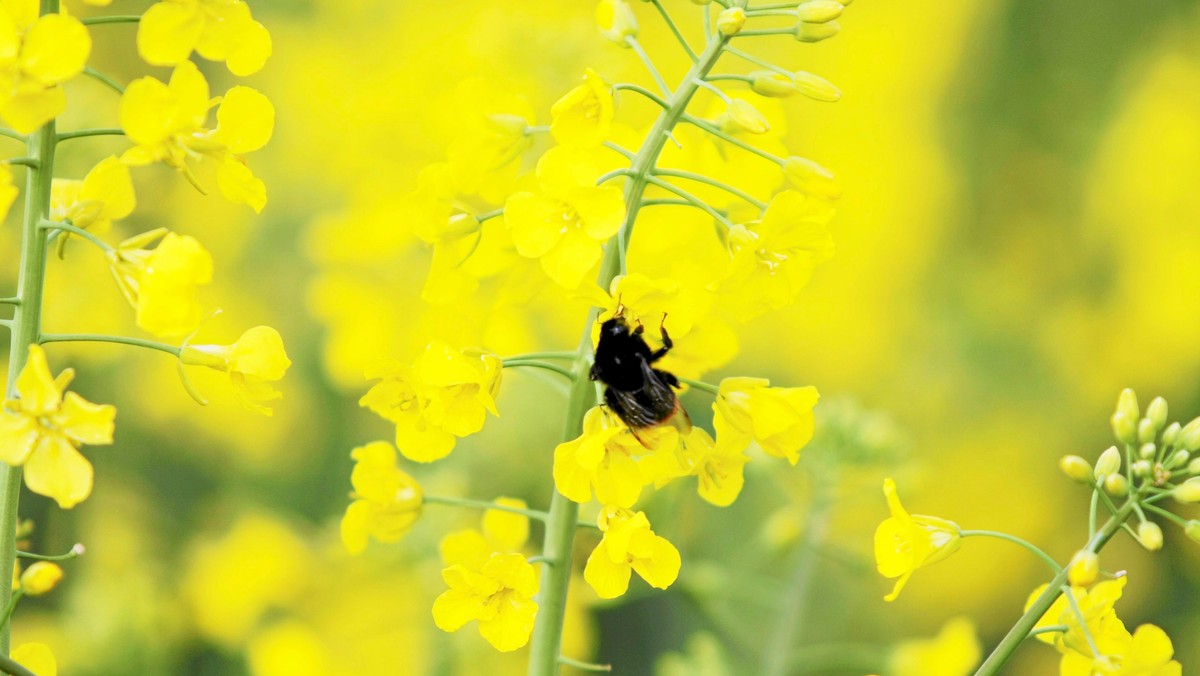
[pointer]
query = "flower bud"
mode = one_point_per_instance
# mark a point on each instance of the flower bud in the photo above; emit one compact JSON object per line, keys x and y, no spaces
{"x":819,"y":11}
{"x":1116,"y":485}
{"x":1194,"y":466}
{"x":730,"y":21}
{"x":1171,"y":434}
{"x":1150,"y":535}
{"x":1083,"y":569}
{"x":1127,"y":403}
{"x":772,"y":84}
{"x":1189,"y":436}
{"x":816,"y":87}
{"x":1147,"y":451}
{"x":1188,"y":491}
{"x":816,"y":32}
{"x":743,"y":116}
{"x":40,"y":578}
{"x":1076,"y":468}
{"x":1180,"y":458}
{"x":616,"y":21}
{"x":1109,"y":463}
{"x":1156,"y":412}
{"x":1124,"y":428}
{"x":810,"y":177}
{"x":1192,"y":529}
{"x":1142,"y":468}
{"x":1146,"y":431}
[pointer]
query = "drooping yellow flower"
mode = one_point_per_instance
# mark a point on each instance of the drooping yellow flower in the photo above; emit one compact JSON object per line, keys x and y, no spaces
{"x":220,"y":30}
{"x":955,"y":651}
{"x":446,"y":393}
{"x":1147,"y":652}
{"x":41,"y":429}
{"x":905,"y":542}
{"x":37,"y":54}
{"x":629,"y":545}
{"x":37,"y":658}
{"x":255,"y":360}
{"x":564,"y":224}
{"x":602,"y":459}
{"x":499,"y":595}
{"x":774,"y":258}
{"x":780,"y":419}
{"x":103,"y":196}
{"x":167,"y":124}
{"x":387,"y":501}
{"x":583,"y":116}
{"x":161,"y":284}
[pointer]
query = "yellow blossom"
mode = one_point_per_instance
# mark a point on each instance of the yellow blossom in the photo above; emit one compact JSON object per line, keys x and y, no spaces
{"x":446,"y":393}
{"x":41,"y":428}
{"x":1147,"y":652}
{"x":955,"y":651}
{"x":583,"y":116}
{"x":499,"y":595}
{"x":629,"y":545}
{"x":103,"y":196}
{"x":387,"y":501}
{"x":41,"y":577}
{"x":220,"y":30}
{"x":743,"y":116}
{"x":166,"y":122}
{"x":811,"y":178}
{"x":780,"y":419}
{"x":717,"y":465}
{"x":161,"y":284}
{"x":774,"y":258}
{"x":37,"y":54}
{"x":492,"y":134}
{"x":1099,"y":617}
{"x":37,"y":658}
{"x":500,"y":532}
{"x":905,"y":542}
{"x":254,"y":360}
{"x":602,"y":459}
{"x":566,"y":221}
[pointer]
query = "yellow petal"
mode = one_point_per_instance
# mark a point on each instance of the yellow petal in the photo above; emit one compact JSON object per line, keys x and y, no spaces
{"x":466,"y":548}
{"x":109,"y":183}
{"x":56,"y":48}
{"x":37,"y":658}
{"x":511,"y":627}
{"x":18,"y":434}
{"x":454,"y":608}
{"x":146,"y":113}
{"x":535,"y":223}
{"x":245,"y":120}
{"x":190,"y":91}
{"x":27,"y":110}
{"x":506,"y":531}
{"x":259,"y":352}
{"x":169,"y":31}
{"x":355,"y":527}
{"x":570,"y":478}
{"x":572,"y":258}
{"x":40,"y":395}
{"x":661,"y":567}
{"x":85,"y":422}
{"x":609,"y":579}
{"x":55,"y":469}
{"x":239,"y":185}
{"x":167,"y":292}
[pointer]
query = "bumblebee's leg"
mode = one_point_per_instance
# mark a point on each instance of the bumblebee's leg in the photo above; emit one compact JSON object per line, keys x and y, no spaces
{"x":668,"y":378}
{"x":667,"y":343}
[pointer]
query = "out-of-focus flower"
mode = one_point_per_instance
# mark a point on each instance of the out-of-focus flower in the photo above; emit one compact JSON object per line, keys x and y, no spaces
{"x":780,"y":419}
{"x":743,"y":116}
{"x":811,"y":178}
{"x":37,"y":658}
{"x":955,"y":651}
{"x":616,"y":21}
{"x":387,"y":501}
{"x":39,"y":54}
{"x":41,"y":428}
{"x":905,"y":542}
{"x":256,"y":359}
{"x":583,"y":116}
{"x":629,"y":545}
{"x":220,"y":30}
{"x":161,"y":284}
{"x":446,"y":393}
{"x":103,"y":196}
{"x":166,"y":122}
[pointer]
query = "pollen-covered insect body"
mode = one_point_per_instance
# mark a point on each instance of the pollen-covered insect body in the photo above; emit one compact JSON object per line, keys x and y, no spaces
{"x":641,"y":395}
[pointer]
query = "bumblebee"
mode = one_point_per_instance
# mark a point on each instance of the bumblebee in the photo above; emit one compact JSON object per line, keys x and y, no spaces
{"x":641,"y":395}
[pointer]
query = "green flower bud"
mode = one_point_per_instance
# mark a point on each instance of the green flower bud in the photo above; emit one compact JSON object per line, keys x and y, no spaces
{"x":1147,"y":451}
{"x":819,"y":11}
{"x":772,"y":84}
{"x":1194,"y":466}
{"x":1083,"y":569}
{"x":1142,"y":468}
{"x":1156,"y":412}
{"x":1116,"y":485}
{"x":1180,"y":458}
{"x":1146,"y":431}
{"x":1189,"y":436}
{"x":1192,"y":529}
{"x":1188,"y":491}
{"x":1127,"y":403}
{"x":1124,"y":428}
{"x":1076,"y":468}
{"x":1150,"y":535}
{"x":1171,"y":434}
{"x":816,"y":32}
{"x":1109,"y":463}
{"x":730,"y":21}
{"x":816,"y":87}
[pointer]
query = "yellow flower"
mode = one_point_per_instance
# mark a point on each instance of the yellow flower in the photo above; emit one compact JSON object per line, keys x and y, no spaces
{"x":387,"y":501}
{"x":629,"y":545}
{"x":905,"y":542}
{"x":565,"y":223}
{"x":37,"y":54}
{"x":955,"y":651}
{"x":743,"y":116}
{"x":583,"y":116}
{"x":447,"y":393}
{"x":780,"y":419}
{"x":500,"y":532}
{"x":491,"y":136}
{"x":1147,"y":652}
{"x":774,"y":258}
{"x":103,"y":196}
{"x":40,"y":578}
{"x":254,"y":360}
{"x":499,"y":595}
{"x":616,"y":21}
{"x":41,"y":428}
{"x":166,"y":122}
{"x":220,"y":30}
{"x":602,"y":459}
{"x":1096,"y":605}
{"x":37,"y":658}
{"x":161,"y":284}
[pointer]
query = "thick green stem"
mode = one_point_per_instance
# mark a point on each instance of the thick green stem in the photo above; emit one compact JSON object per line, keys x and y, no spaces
{"x":564,"y":514}
{"x":1020,"y":631}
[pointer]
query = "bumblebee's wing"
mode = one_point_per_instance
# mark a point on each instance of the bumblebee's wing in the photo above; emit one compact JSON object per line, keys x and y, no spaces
{"x":629,"y":407}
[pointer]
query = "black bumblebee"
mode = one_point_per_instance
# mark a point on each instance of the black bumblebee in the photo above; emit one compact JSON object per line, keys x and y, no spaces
{"x":640,"y":395}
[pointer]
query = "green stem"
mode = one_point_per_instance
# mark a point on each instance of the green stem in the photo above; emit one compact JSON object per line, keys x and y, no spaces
{"x":117,"y":18}
{"x":674,"y":29}
{"x":75,"y":553}
{"x":489,"y":215}
{"x":563,"y":519}
{"x":13,"y":300}
{"x":1052,"y":629}
{"x":1018,"y":541}
{"x":26,"y":326}
{"x":119,"y":340}
{"x":51,"y":225}
{"x":1083,"y":625}
{"x":643,"y":91}
{"x":615,"y":173}
{"x":619,"y":150}
{"x":485,"y":505}
{"x":747,"y":56}
{"x":9,"y":609}
{"x":641,"y":53}
{"x":701,"y":385}
{"x":701,"y":178}
{"x":12,"y":134}
{"x":691,"y":199}
{"x":569,"y":356}
{"x":777,"y":5}
{"x":533,"y":363}
{"x":104,"y":79}
{"x":716,"y":131}
{"x":8,"y":666}
{"x":583,"y":666}
{"x":765,"y":32}
{"x":1092,"y":510}
{"x":667,"y":203}
{"x":84,"y":133}
{"x":1171,"y":516}
{"x":729,"y":77}
{"x":23,"y":161}
{"x":1015,"y":636}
